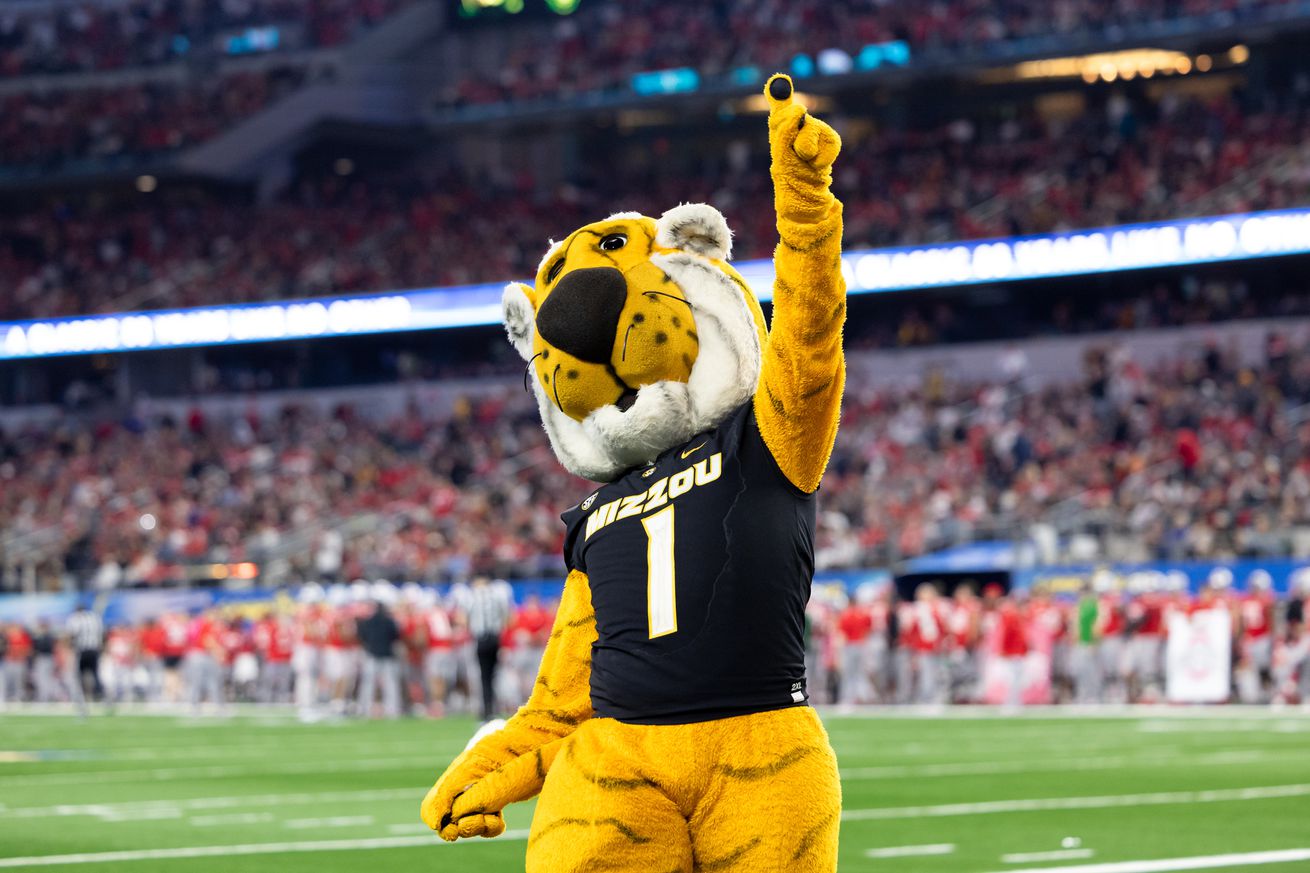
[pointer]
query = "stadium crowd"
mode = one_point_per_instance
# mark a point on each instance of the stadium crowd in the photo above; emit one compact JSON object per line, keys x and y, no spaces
{"x":1197,"y":459}
{"x":1128,"y":160}
{"x":599,"y":47}
{"x":1201,"y":457}
{"x":375,"y":650}
{"x":603,"y":45}
{"x":94,"y":36}
{"x":49,"y":130}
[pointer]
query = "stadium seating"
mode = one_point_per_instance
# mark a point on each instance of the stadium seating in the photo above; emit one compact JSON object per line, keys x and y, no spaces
{"x":88,"y":37}
{"x":605,"y":44}
{"x":1126,"y":161}
{"x":1202,"y":458}
{"x":49,"y":131}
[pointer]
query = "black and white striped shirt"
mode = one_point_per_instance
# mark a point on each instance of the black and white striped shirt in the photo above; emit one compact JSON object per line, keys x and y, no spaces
{"x":488,"y":609}
{"x":86,"y":630}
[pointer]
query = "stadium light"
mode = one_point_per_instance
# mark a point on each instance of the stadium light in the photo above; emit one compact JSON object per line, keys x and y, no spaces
{"x":1184,"y":242}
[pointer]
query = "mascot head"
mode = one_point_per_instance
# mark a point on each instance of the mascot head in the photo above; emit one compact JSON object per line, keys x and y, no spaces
{"x":638,"y":336}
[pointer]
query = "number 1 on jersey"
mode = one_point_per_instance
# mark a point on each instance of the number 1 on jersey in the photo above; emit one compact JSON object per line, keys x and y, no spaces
{"x":661,"y":595}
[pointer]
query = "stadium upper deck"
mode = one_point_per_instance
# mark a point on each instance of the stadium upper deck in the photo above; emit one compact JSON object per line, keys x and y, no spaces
{"x":1002,"y":168}
{"x":83,"y":37}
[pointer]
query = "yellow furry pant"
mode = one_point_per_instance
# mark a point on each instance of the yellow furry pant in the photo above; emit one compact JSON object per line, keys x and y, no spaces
{"x":752,"y":793}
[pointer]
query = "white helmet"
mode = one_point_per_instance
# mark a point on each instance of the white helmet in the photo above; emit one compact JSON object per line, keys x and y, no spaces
{"x":311,"y":593}
{"x":383,"y":592}
{"x":1221,"y":578}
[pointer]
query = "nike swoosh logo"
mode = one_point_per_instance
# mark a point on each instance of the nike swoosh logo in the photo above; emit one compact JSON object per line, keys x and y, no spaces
{"x":692,"y":451}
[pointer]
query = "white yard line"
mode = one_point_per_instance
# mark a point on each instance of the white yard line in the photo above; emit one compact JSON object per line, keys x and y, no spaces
{"x":427,"y":763}
{"x":416,"y":828}
{"x":1062,"y":765}
{"x":993,"y":768}
{"x":1065,"y":712}
{"x":332,"y":821}
{"x":142,"y":808}
{"x":244,"y":849}
{"x":1057,"y":855}
{"x":1282,"y":724}
{"x":911,"y":851}
{"x":279,"y":749}
{"x":1167,"y":865}
{"x":1044,"y":804}
{"x":164,"y":808}
{"x":235,"y":818}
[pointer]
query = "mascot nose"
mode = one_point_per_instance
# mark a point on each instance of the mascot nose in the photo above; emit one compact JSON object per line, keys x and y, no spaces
{"x":581,"y":316}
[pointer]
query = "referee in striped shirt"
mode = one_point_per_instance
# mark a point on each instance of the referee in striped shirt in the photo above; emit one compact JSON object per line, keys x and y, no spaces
{"x":86,"y":632}
{"x":488,"y":615}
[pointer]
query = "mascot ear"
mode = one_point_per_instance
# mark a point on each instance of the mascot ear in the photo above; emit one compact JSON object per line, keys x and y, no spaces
{"x":695,"y":227}
{"x":520,"y":317}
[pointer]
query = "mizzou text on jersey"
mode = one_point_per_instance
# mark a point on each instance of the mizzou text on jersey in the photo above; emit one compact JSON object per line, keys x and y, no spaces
{"x":711,"y":623}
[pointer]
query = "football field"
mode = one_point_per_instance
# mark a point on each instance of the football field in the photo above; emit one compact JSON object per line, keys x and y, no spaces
{"x":966,"y":791}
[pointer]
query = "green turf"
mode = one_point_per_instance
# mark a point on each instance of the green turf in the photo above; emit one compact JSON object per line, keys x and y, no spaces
{"x":128,"y":783}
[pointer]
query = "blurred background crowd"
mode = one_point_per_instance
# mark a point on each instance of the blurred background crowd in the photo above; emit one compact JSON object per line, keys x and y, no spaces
{"x":375,"y":650}
{"x":1200,"y":456}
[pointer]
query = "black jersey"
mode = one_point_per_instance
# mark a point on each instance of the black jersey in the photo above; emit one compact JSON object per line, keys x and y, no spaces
{"x":700,"y":567}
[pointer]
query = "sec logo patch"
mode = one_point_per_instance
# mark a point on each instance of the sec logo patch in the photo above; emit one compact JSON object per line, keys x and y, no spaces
{"x":586,"y":504}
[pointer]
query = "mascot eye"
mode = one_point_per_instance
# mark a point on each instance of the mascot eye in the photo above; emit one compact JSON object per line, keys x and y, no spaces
{"x":613,"y":242}
{"x":554,"y":270}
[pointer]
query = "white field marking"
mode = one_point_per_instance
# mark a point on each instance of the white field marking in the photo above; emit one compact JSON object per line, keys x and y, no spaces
{"x":417,"y":828}
{"x":167,"y":774}
{"x":911,"y":851}
{"x":118,"y":813}
{"x":1167,"y":726}
{"x":1167,"y":865}
{"x":158,"y":812}
{"x":1061,"y":712}
{"x":110,"y":754}
{"x":1043,"y":804}
{"x":247,"y":849}
{"x":233,"y":818}
{"x":1061,"y":765}
{"x":992,"y":768}
{"x":136,"y":807}
{"x":1057,"y":855}
{"x":331,"y":821}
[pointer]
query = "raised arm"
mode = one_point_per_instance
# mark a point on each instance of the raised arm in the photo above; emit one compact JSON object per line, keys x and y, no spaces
{"x":799,"y":400}
{"x":510,"y":764}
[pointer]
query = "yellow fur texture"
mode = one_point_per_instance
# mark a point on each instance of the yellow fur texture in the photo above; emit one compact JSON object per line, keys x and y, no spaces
{"x":799,"y":398}
{"x":752,"y":793}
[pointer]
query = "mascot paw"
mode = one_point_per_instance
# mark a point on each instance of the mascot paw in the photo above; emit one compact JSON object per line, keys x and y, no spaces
{"x":793,"y":131}
{"x":460,"y":816}
{"x":474,"y":811}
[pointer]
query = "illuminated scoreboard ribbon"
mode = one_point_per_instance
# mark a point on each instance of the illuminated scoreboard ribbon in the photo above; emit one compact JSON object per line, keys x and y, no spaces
{"x":1074,"y":253}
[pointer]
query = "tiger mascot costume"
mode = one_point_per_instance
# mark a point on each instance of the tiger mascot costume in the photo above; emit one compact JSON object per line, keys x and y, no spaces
{"x":669,"y":728}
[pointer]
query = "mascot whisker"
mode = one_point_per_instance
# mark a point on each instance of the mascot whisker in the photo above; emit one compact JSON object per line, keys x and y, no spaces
{"x":669,"y":728}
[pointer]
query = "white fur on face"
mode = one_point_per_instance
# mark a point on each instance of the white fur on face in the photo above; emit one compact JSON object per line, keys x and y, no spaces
{"x":728,"y":365}
{"x":664,"y":414}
